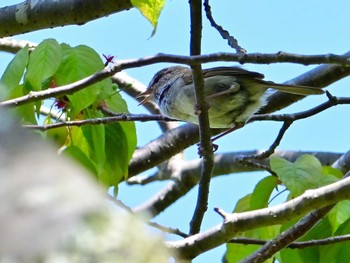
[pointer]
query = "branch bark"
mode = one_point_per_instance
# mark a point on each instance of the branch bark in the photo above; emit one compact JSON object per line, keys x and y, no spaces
{"x":32,"y":15}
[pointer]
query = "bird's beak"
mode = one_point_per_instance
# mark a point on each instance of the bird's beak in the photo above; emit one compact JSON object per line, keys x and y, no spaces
{"x":145,"y":94}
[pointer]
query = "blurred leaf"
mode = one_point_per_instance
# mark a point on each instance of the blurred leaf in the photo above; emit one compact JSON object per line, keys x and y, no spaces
{"x":14,"y":73}
{"x":332,"y":171}
{"x":81,"y":157}
{"x":305,"y":173}
{"x":24,"y":112}
{"x":150,"y":9}
{"x":262,"y":192}
{"x":57,"y":135}
{"x":77,"y":63}
{"x":43,"y":63}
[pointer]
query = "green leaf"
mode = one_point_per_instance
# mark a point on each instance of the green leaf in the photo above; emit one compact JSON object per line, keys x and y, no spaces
{"x":343,"y":251}
{"x":77,"y":63}
{"x":332,"y":171}
{"x":43,"y":63}
{"x":95,"y":137}
{"x":26,"y":111}
{"x":305,"y":173}
{"x":339,"y":214}
{"x":14,"y":72}
{"x":105,"y":147}
{"x":81,"y":157}
{"x":262,"y":192}
{"x":116,"y":165}
{"x":289,"y":256}
{"x":117,"y":104}
{"x":150,"y":9}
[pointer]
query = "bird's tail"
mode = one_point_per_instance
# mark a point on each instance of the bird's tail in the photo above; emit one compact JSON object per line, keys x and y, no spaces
{"x":294,"y":89}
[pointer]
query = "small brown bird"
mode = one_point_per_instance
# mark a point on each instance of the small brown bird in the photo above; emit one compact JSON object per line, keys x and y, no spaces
{"x":234,"y":94}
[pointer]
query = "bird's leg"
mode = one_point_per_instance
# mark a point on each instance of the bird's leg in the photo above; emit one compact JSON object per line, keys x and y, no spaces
{"x":236,"y":127}
{"x":215,"y":146}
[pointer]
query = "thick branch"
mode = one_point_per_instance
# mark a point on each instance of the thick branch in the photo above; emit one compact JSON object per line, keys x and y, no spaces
{"x":32,"y":15}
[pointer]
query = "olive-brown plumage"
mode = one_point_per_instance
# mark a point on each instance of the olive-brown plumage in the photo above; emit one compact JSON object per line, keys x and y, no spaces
{"x":234,"y":94}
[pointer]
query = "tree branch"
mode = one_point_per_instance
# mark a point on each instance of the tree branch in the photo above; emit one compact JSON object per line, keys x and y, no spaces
{"x":31,"y":15}
{"x":295,"y":245}
{"x":255,"y":58}
{"x":121,"y":117}
{"x":62,"y":90}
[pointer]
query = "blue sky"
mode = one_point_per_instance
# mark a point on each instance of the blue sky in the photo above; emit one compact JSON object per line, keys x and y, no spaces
{"x":306,"y":27}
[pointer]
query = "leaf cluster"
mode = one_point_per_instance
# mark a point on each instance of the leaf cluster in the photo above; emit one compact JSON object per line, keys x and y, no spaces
{"x":104,"y":150}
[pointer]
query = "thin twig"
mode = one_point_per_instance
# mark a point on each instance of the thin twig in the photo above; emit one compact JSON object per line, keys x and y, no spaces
{"x":232,"y":42}
{"x":249,"y":160}
{"x":110,"y":71}
{"x":332,"y":101}
{"x":295,"y":245}
{"x":169,"y":230}
{"x":256,"y":58}
{"x":273,"y":146}
{"x":105,"y":120}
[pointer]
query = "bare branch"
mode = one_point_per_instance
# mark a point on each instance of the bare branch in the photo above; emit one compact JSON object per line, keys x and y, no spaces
{"x":232,"y":42}
{"x":294,"y":245}
{"x":121,"y":117}
{"x":332,"y":101}
{"x":169,"y":230}
{"x":12,"y":45}
{"x":274,"y":145}
{"x":62,"y":90}
{"x":254,"y":58}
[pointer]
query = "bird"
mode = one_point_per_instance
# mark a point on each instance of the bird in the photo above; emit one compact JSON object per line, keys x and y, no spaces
{"x":233,"y":94}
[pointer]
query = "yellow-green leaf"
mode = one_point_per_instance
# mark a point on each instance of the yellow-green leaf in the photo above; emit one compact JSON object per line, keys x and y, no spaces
{"x":150,"y":9}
